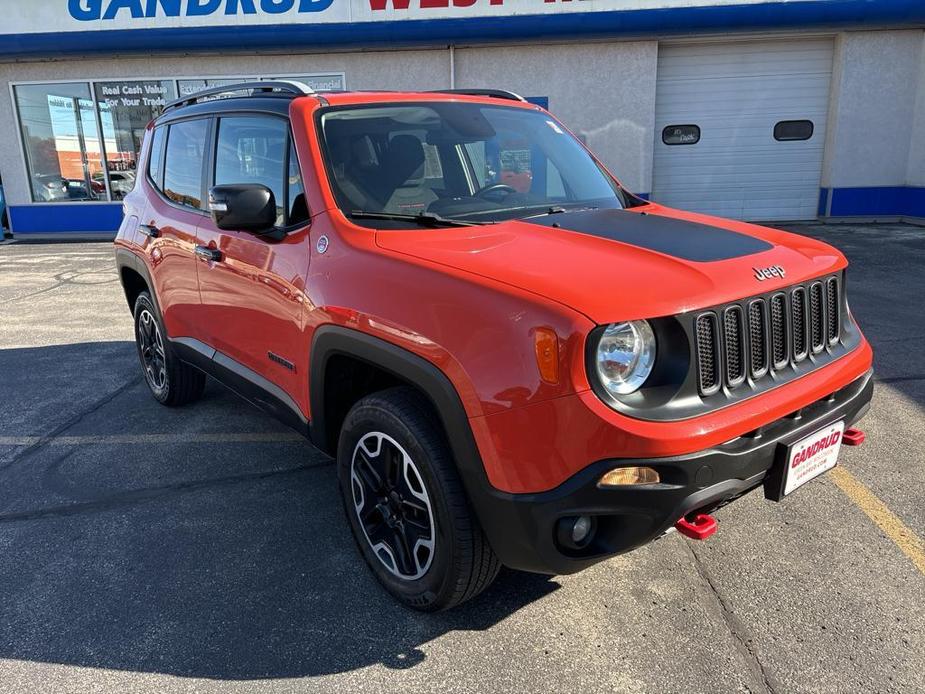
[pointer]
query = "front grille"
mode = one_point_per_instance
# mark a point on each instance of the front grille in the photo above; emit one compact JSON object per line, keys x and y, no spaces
{"x":734,"y":344}
{"x":760,"y":337}
{"x":816,"y":317}
{"x":833,"y":315}
{"x":779,"y":331}
{"x":708,"y":354}
{"x":798,"y":323}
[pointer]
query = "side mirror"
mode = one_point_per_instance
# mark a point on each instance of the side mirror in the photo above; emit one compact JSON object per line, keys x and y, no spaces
{"x":243,"y":207}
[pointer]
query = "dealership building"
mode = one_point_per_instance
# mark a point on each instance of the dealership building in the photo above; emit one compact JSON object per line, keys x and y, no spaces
{"x":760,"y":110}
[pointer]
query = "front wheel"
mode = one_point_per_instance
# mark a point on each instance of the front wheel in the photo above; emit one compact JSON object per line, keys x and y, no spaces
{"x":406,"y":505}
{"x":171,"y":381}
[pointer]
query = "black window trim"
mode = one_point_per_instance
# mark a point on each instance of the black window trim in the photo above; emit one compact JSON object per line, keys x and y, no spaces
{"x":812,"y":130}
{"x":681,"y":125}
{"x":163,"y":151}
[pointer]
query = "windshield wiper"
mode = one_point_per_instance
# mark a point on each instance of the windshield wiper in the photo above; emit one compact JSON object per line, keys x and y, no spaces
{"x":424,"y":219}
{"x":558,"y":209}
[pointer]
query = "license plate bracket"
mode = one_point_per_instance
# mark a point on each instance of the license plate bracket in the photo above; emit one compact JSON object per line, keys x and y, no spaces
{"x":804,"y":460}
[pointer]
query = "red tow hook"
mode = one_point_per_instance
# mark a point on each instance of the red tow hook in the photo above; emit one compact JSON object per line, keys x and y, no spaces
{"x":700,"y":527}
{"x":853,"y":437}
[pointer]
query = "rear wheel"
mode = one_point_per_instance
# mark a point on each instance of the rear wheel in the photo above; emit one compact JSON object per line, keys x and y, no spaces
{"x":406,"y":505}
{"x":171,"y":381}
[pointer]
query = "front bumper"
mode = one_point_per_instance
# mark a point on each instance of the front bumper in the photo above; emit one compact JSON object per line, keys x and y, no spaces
{"x":522,"y":527}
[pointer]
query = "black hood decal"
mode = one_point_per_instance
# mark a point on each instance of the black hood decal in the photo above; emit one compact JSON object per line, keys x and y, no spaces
{"x":674,"y":237}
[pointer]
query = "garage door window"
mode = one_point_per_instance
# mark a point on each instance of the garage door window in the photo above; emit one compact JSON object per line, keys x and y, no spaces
{"x":790,"y":130}
{"x":681,"y":134}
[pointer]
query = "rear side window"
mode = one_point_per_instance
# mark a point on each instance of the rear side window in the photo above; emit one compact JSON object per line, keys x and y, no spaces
{"x":156,"y":159}
{"x":186,"y":143}
{"x":253,"y":149}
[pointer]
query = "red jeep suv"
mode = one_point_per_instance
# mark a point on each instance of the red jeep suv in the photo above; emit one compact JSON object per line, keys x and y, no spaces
{"x":513,"y":359}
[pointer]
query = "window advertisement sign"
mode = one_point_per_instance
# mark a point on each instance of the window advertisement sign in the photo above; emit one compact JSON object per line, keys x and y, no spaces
{"x":61,"y":141}
{"x":320,"y":83}
{"x":126,"y":108}
{"x":190,"y":87}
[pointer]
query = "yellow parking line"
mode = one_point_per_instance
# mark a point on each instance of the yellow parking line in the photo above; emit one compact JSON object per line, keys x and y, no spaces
{"x":907,"y":541}
{"x":129,"y":439}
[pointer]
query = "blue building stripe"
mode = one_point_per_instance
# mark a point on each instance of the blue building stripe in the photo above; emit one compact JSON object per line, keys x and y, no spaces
{"x":410,"y":32}
{"x":65,"y":217}
{"x":878,"y":201}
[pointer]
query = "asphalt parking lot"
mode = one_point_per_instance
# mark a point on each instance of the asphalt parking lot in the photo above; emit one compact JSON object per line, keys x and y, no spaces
{"x":204,"y":549}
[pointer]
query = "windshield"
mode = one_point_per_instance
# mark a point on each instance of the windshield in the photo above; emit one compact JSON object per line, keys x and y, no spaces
{"x":457,"y":161}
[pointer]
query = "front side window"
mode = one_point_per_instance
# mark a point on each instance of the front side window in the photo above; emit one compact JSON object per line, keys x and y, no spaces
{"x":459,"y":161}
{"x":186,"y":142}
{"x":253,"y":149}
{"x":61,"y":141}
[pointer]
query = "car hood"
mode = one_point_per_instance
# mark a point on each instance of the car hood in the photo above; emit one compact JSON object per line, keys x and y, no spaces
{"x":622,"y":264}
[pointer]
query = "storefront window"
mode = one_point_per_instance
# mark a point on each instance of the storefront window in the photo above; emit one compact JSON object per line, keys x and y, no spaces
{"x":320,"y":83}
{"x":82,"y":139}
{"x":189,"y":87}
{"x":61,"y":141}
{"x":126,"y":108}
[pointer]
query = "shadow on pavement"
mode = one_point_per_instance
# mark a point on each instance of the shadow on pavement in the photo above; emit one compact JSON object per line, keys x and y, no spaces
{"x":221,"y":560}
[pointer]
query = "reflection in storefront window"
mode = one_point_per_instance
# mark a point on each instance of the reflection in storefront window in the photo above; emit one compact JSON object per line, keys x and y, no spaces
{"x":61,"y":141}
{"x":188,"y":87}
{"x":126,"y":108}
{"x":320,"y":83}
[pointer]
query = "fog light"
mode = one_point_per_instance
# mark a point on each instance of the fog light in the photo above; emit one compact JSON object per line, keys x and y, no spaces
{"x":626,"y":476}
{"x":575,"y":532}
{"x":581,"y":529}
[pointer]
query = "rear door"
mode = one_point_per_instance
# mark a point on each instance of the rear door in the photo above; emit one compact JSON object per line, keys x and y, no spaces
{"x":252,"y":286}
{"x":171,"y":219}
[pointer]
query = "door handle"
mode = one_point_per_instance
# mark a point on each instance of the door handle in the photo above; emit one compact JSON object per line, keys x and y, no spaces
{"x":149,"y":231}
{"x":212,"y":254}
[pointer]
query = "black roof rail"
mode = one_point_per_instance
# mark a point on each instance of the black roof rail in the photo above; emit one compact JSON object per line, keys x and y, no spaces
{"x":496,"y":93}
{"x":287,"y":88}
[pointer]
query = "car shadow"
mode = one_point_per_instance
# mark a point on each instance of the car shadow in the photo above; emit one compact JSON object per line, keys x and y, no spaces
{"x":175,"y":553}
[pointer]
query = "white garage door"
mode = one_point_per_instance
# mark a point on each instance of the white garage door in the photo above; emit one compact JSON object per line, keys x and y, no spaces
{"x":744,"y":125}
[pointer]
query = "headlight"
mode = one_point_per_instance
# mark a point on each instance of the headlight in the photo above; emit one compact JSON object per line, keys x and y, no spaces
{"x":625,"y":356}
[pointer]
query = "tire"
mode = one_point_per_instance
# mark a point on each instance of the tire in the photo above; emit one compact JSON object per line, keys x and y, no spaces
{"x":396,"y":430}
{"x":171,"y":381}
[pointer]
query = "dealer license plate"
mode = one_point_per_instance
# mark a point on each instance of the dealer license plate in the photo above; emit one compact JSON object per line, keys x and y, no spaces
{"x":809,"y":458}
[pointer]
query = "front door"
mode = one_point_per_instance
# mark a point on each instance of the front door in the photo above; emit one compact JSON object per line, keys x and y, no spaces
{"x":251,"y":286}
{"x":170,"y":221}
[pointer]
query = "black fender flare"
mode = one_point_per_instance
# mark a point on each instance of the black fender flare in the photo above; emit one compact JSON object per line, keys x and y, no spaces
{"x":488,"y":503}
{"x":126,"y":259}
{"x":507,"y":525}
{"x":334,"y":340}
